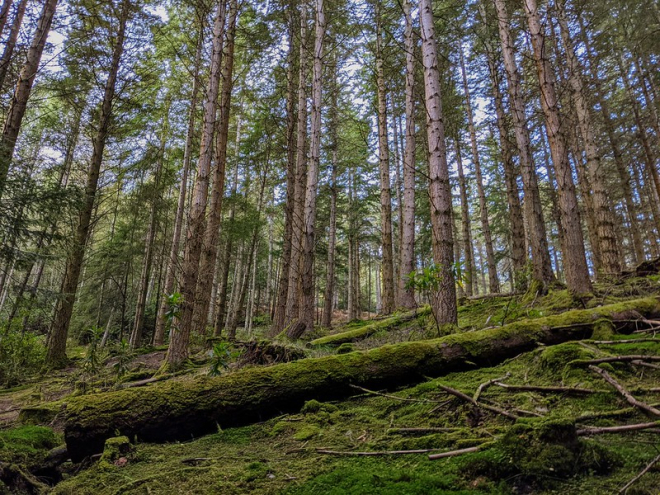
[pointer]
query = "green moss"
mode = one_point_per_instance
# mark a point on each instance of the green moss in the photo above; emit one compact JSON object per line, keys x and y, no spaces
{"x":556,"y":358}
{"x":115,"y":448}
{"x":313,"y":406}
{"x":345,"y":348}
{"x":306,"y":432}
{"x":42,"y":414}
{"x":27,"y":444}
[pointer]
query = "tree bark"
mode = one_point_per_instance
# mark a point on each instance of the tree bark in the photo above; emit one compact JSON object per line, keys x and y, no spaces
{"x":56,"y":345}
{"x":279,"y":318}
{"x":18,"y":103}
{"x":609,"y":248}
{"x":444,"y":300}
{"x":407,"y":248}
{"x":541,"y":265}
{"x":180,"y":332}
{"x":307,"y":307}
{"x":385,"y":187}
{"x":173,"y":259}
{"x":466,"y":224}
{"x":209,"y":251}
{"x":4,"y":14}
{"x":166,"y":412}
{"x":575,"y":260}
{"x":10,"y":43}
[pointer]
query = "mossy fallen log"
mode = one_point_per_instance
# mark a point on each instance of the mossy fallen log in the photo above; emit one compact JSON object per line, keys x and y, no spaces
{"x":182,"y":410}
{"x":367,"y":330}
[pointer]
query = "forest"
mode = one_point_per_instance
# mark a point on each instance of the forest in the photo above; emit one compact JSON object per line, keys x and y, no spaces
{"x":329,"y":246}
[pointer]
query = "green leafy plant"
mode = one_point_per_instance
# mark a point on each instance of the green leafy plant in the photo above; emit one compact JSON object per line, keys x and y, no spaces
{"x":124,"y":356}
{"x":21,"y":355}
{"x":222,"y":354}
{"x":94,"y":355}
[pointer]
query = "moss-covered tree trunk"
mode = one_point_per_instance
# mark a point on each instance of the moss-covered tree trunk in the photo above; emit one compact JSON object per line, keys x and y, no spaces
{"x":185,"y":409}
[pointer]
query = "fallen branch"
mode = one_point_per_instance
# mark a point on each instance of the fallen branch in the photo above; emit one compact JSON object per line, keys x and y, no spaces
{"x":611,"y":414}
{"x":631,"y":400}
{"x":375,"y":453}
{"x":487,"y":384}
{"x":453,"y":453}
{"x":404,"y":399}
{"x":615,"y":359}
{"x":547,"y":390}
{"x":395,"y":431}
{"x":598,"y":430}
{"x":641,"y":473}
{"x":625,"y":341}
{"x":647,"y":365}
{"x":470,"y":400}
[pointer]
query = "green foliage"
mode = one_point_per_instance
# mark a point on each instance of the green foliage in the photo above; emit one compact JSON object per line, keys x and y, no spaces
{"x":26,"y":442}
{"x":123,"y":356}
{"x":94,"y":355}
{"x":21,"y":356}
{"x":222,"y":354}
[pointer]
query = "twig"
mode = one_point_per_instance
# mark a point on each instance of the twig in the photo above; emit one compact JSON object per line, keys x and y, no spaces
{"x":470,"y":400}
{"x":611,"y":414}
{"x":597,"y":430}
{"x":631,"y":400}
{"x":641,"y":473}
{"x":647,"y":330}
{"x":549,"y":390}
{"x":421,"y":430}
{"x":625,"y":341}
{"x":647,"y":365}
{"x":376,"y":453}
{"x":453,"y":453}
{"x":487,"y":384}
{"x":616,"y":359}
{"x":392,"y":396}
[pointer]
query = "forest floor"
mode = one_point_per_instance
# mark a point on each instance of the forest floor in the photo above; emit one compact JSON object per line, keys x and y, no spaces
{"x":358,"y":445}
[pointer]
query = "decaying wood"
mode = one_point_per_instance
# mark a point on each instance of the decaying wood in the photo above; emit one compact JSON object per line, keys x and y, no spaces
{"x":634,"y":402}
{"x":646,"y":469}
{"x":453,"y":453}
{"x":470,"y":400}
{"x":487,"y":384}
{"x":548,"y":390}
{"x":404,"y":399}
{"x":598,"y":430}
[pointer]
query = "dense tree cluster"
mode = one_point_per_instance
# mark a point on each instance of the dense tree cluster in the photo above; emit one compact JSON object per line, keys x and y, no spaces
{"x":171,"y":171}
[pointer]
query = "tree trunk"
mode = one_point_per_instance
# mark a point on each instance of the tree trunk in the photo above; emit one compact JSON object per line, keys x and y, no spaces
{"x":177,"y":411}
{"x":444,"y":300}
{"x":541,"y":265}
{"x":466,"y":224}
{"x":407,"y":248}
{"x":493,"y":280}
{"x":385,"y":188}
{"x":293,"y":291}
{"x":4,"y":14}
{"x":307,"y":307}
{"x":173,"y":259}
{"x":138,"y":325}
{"x":56,"y":346}
{"x":209,"y":251}
{"x":180,"y":332}
{"x":279,"y":318}
{"x":609,"y":249}
{"x":328,"y":296}
{"x":10,"y":43}
{"x":18,"y":103}
{"x":575,"y":260}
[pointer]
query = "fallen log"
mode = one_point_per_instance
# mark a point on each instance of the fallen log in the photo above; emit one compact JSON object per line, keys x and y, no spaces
{"x":188,"y":408}
{"x":365,"y":331}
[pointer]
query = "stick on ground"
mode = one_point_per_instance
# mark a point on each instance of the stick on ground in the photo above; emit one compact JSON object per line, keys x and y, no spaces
{"x":598,"y":430}
{"x":470,"y":400}
{"x":365,"y":390}
{"x":631,"y":400}
{"x":487,"y":384}
{"x":453,"y":453}
{"x":641,"y":473}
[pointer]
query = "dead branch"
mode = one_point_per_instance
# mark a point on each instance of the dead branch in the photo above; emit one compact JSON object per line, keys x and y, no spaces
{"x":470,"y":400}
{"x":548,"y":390}
{"x":641,"y":473}
{"x":647,"y":365}
{"x":394,"y":431}
{"x":427,"y":401}
{"x":375,"y":453}
{"x":598,"y":430}
{"x":616,"y":359}
{"x":631,"y":400}
{"x":625,"y":341}
{"x":487,"y":384}
{"x":453,"y":453}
